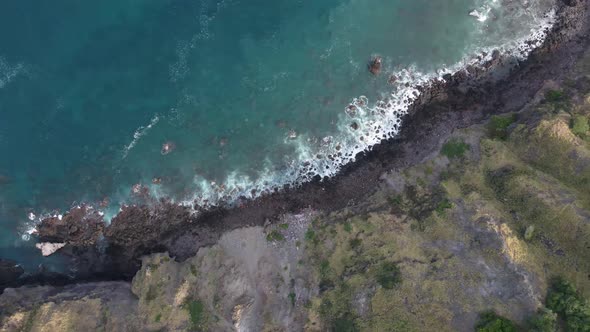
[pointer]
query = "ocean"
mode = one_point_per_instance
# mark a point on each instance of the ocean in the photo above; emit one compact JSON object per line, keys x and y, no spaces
{"x":206,"y":101}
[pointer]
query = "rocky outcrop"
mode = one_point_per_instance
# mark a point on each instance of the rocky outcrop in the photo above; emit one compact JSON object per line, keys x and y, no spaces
{"x":9,"y":271}
{"x":81,"y":226}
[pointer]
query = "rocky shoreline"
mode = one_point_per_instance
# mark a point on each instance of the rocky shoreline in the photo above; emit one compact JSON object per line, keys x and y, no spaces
{"x":113,"y":252}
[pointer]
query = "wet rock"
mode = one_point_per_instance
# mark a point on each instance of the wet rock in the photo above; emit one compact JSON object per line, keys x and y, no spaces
{"x":9,"y":271}
{"x":375,"y":65}
{"x":139,"y":227}
{"x":81,"y":226}
{"x":392,"y":79}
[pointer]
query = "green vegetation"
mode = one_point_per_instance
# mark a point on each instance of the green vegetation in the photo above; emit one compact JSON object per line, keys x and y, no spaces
{"x":355,"y":243}
{"x":310,"y":235}
{"x":574,"y":310}
{"x":388,"y":275}
{"x":529,"y":232}
{"x":196,"y":311}
{"x":454,"y":148}
{"x":158,"y":318}
{"x":555,"y":96}
{"x":292,"y":298}
{"x":498,"y":126}
{"x":284,"y":226}
{"x":275,"y":236}
{"x":344,"y":324}
{"x":492,"y":322}
{"x":544,"y":320}
{"x":194,"y":270}
{"x":347,"y":227}
{"x":151,"y":294}
{"x":580,"y":126}
{"x":442,"y":206}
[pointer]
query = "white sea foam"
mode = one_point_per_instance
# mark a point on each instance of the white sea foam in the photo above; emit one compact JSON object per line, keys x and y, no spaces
{"x":138,"y":134}
{"x":8,"y":72}
{"x":363,"y":124}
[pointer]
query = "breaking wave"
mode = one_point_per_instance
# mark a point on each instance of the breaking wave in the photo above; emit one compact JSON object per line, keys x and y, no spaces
{"x":363,"y":124}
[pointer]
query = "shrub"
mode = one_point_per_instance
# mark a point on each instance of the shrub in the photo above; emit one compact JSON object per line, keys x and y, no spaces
{"x":492,"y":322}
{"x":580,"y":126}
{"x":529,"y":232}
{"x":344,"y":324}
{"x":355,"y":243}
{"x":555,"y":96}
{"x":275,"y":236}
{"x":443,"y":206}
{"x":310,"y":235}
{"x":388,"y":275}
{"x":498,"y":126}
{"x":544,"y":320}
{"x":347,"y":227}
{"x":454,"y":148}
{"x":564,"y":300}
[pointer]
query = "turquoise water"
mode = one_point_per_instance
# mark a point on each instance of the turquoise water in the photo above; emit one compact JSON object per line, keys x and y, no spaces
{"x":246,"y":92}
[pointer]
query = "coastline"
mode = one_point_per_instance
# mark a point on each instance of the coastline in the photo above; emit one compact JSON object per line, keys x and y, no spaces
{"x":142,"y":230}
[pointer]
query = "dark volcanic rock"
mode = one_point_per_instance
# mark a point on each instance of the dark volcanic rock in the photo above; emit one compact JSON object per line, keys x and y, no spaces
{"x":81,"y":226}
{"x":9,"y":271}
{"x":141,"y":227}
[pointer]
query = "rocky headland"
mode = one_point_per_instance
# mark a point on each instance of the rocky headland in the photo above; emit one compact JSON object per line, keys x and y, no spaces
{"x":481,"y":200}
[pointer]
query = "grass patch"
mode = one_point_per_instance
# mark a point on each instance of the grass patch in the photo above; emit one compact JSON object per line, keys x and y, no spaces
{"x":275,"y":236}
{"x":196,"y":311}
{"x":284,"y":226}
{"x":158,"y":318}
{"x":498,"y":126}
{"x":292,"y":298}
{"x":580,"y":126}
{"x":454,"y":148}
{"x":388,"y":275}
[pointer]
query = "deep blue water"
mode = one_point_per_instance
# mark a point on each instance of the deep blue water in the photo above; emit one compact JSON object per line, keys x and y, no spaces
{"x":245,"y":91}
